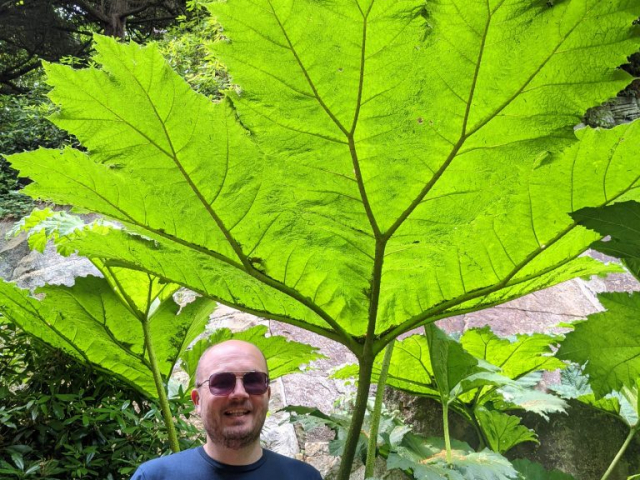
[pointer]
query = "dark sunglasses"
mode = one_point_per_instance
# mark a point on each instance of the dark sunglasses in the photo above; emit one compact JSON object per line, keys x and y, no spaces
{"x":224,"y":383}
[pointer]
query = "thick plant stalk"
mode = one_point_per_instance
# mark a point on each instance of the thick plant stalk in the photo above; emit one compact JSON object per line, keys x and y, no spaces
{"x":162,"y":394}
{"x":445,"y":422}
{"x":620,"y":453}
{"x":377,"y":409}
{"x":364,"y":382}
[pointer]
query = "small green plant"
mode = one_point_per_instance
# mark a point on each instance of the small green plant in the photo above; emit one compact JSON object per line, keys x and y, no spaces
{"x":622,"y":404}
{"x":418,"y":456}
{"x":391,"y":427}
{"x":482,"y":377}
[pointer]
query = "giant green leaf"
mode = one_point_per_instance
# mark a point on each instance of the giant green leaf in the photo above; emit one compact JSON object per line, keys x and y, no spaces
{"x":515,"y":357}
{"x":426,"y":460}
{"x":621,"y":223}
{"x":503,"y":431}
{"x":608,"y":344}
{"x":379,"y":165}
{"x":90,"y":322}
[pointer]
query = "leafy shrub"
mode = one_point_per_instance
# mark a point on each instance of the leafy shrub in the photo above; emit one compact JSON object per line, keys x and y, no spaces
{"x":62,"y":420}
{"x":187,"y":47}
{"x":24,"y":126}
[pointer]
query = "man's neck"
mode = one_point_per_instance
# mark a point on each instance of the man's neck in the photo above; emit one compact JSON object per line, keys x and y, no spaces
{"x":229,"y":456}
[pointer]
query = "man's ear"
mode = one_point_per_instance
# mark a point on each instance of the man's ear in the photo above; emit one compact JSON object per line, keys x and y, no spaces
{"x":269,"y":392}
{"x":195,"y":398}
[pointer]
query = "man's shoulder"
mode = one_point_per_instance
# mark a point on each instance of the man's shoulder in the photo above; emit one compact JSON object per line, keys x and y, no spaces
{"x":166,"y":465}
{"x":291,"y":464}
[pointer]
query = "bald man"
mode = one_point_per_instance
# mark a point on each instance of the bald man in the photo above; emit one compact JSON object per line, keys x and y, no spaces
{"x":232,"y":398}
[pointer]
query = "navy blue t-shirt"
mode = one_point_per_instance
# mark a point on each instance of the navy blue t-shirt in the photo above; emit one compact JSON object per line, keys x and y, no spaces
{"x":195,"y":464}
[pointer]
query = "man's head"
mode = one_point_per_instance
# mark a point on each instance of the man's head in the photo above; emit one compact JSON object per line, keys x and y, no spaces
{"x":232,"y":421}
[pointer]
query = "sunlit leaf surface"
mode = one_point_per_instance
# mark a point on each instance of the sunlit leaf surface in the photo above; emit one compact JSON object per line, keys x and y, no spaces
{"x":515,"y":357}
{"x":378,"y":166}
{"x":503,"y":431}
{"x":90,"y":322}
{"x":608,"y":344}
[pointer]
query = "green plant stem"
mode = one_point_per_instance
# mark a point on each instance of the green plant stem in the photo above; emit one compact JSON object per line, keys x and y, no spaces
{"x":620,"y":453}
{"x":162,"y":394}
{"x":375,"y":415}
{"x":482,"y":438}
{"x":445,"y":423}
{"x":351,"y":443}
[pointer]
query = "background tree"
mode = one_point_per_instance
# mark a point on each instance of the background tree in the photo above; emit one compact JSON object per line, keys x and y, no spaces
{"x":61,"y":31}
{"x":36,"y":30}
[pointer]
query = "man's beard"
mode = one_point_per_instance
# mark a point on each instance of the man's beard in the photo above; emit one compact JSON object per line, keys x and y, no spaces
{"x":234,"y":440}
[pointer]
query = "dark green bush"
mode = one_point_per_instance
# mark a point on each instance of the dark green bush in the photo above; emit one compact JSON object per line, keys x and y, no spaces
{"x":24,"y":126}
{"x":63,"y":420}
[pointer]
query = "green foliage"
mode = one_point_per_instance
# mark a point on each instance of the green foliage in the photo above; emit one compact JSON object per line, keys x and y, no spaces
{"x":425,"y":458}
{"x":390,"y":432}
{"x":62,"y":420}
{"x":90,"y":323}
{"x":523,"y":395}
{"x":620,"y":222}
{"x":186,"y":46}
{"x":455,"y":371}
{"x":608,"y":344}
{"x":42,"y":225}
{"x":517,"y":356}
{"x":503,"y":431}
{"x":333,"y":193}
{"x":621,"y":404}
{"x":24,"y":127}
{"x":481,"y":377}
{"x":534,"y":471}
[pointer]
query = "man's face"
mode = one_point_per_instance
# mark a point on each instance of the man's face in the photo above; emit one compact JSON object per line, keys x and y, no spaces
{"x":232,"y":421}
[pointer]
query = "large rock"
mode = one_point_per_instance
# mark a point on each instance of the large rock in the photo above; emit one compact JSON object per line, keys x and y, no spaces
{"x":583,"y":443}
{"x":31,"y":269}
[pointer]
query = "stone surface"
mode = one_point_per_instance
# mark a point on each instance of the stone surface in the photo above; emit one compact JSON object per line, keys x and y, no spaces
{"x":582,"y":442}
{"x":12,"y":250}
{"x":317,"y":454}
{"x":593,"y":439}
{"x":278,"y":433}
{"x":31,"y":269}
{"x":314,"y":388}
{"x":538,"y":312}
